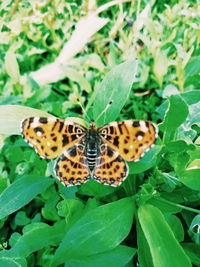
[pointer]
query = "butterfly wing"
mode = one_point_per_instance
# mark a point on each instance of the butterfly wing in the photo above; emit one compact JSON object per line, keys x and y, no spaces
{"x":130,"y":138}
{"x":110,"y":167}
{"x":71,"y":168}
{"x":50,"y":136}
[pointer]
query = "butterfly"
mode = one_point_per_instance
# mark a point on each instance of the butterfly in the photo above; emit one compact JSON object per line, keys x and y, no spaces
{"x":89,"y":153}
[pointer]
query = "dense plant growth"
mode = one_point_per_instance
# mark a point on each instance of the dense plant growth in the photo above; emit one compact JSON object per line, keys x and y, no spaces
{"x":57,"y":56}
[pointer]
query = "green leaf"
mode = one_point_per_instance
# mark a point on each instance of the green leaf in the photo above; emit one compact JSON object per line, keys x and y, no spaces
{"x":11,"y":117}
{"x":117,"y":257}
{"x":181,"y":194}
{"x":99,"y":230}
{"x":176,"y":226}
{"x":165,"y":207}
{"x":21,"y":218}
{"x":193,"y":251}
{"x":114,"y":89}
{"x":191,"y":179}
{"x":22,"y":192}
{"x":35,"y":237}
{"x":161,"y":239}
{"x":176,"y":114}
{"x":71,"y":209}
{"x":13,"y":262}
{"x":12,"y":66}
{"x":169,"y":90}
{"x":147,"y":162}
{"x":76,"y":76}
{"x":194,"y":229}
{"x":161,"y":64}
{"x":144,"y":255}
{"x":191,"y":97}
{"x":192,"y":68}
{"x":14,"y":238}
{"x":93,"y":188}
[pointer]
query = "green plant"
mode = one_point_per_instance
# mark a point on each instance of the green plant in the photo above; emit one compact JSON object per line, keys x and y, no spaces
{"x":154,"y":214}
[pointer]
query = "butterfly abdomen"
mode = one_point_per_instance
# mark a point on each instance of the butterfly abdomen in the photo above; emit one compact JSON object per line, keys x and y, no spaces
{"x":92,"y":148}
{"x":91,"y":157}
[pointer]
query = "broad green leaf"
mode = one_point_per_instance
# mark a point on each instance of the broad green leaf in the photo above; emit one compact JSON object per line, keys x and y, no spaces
{"x":193,"y":251}
{"x":12,"y":262}
{"x":181,"y":194}
{"x":99,"y":230}
{"x":21,"y":192}
{"x":12,"y":115}
{"x":176,"y":226}
{"x":185,"y":131}
{"x":161,"y":239}
{"x":144,"y":255}
{"x":191,"y":97}
{"x":176,"y":113}
{"x":178,"y":146}
{"x":35,"y":237}
{"x":191,"y":178}
{"x":192,"y":68}
{"x":194,"y":116}
{"x":164,"y":206}
{"x":147,"y":162}
{"x":113,"y":92}
{"x":117,"y":257}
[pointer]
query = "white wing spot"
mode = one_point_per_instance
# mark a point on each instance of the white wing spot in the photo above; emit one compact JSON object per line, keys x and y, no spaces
{"x":114,"y":123}
{"x":143,"y":126}
{"x":35,"y":123}
{"x":131,"y":146}
{"x":39,"y":133}
{"x":48,"y":143}
{"x":51,"y":119}
{"x":129,"y":122}
{"x":140,"y":137}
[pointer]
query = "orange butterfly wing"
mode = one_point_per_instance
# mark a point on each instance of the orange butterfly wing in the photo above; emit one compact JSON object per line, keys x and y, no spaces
{"x":110,"y":168}
{"x":130,"y":138}
{"x":71,"y":168}
{"x":50,"y":136}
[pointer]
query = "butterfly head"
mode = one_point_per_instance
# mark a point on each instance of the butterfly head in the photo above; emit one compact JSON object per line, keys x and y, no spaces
{"x":92,"y":125}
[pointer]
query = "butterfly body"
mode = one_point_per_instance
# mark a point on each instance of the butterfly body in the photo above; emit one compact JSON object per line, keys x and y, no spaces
{"x":93,"y":153}
{"x":92,"y":146}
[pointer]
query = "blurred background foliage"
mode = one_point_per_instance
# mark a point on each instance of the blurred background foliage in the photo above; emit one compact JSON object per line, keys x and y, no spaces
{"x":53,"y":55}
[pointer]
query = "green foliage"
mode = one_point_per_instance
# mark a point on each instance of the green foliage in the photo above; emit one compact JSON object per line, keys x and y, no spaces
{"x":21,"y":192}
{"x":115,"y":88}
{"x":144,"y":65}
{"x":153,"y":224}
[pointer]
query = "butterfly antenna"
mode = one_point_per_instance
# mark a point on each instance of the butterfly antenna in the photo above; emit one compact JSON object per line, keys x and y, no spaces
{"x":83,"y":109}
{"x":105,"y":109}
